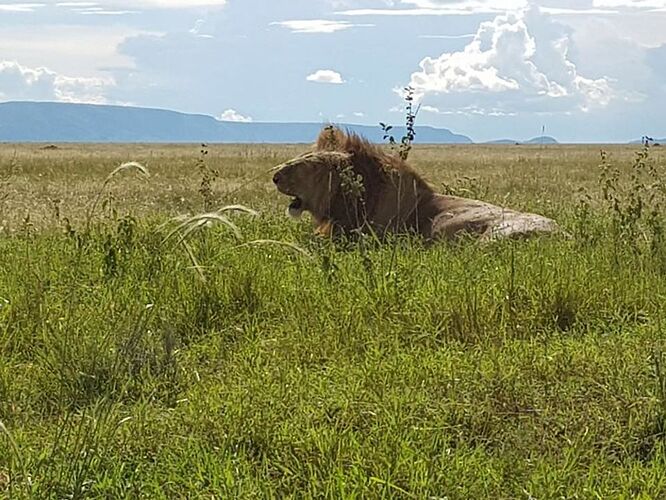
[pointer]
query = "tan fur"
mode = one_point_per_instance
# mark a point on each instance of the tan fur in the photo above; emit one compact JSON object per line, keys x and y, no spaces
{"x":393,"y":198}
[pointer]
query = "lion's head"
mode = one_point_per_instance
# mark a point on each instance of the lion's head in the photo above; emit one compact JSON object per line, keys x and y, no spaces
{"x":313,"y":180}
{"x":348,"y":183}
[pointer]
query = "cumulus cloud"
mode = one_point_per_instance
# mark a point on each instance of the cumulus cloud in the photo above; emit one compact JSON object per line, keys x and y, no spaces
{"x":506,"y":66}
{"x":20,"y":82}
{"x":231,"y":115}
{"x":325,"y":76}
{"x":317,"y":25}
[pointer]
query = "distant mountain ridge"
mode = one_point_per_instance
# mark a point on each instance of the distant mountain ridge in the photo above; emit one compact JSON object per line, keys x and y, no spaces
{"x":69,"y":122}
{"x":544,"y":139}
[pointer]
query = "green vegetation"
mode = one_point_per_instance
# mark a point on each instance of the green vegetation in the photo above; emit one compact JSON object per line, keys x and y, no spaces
{"x":515,"y":369}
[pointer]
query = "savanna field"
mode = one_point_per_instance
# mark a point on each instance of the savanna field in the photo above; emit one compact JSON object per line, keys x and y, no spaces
{"x":238,"y":356}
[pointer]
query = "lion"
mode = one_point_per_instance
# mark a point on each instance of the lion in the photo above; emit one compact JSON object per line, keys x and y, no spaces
{"x":348,"y":184}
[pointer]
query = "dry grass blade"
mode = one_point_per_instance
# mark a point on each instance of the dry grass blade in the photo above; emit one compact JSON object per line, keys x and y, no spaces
{"x":185,"y":220}
{"x":238,"y":208}
{"x":187,"y":225}
{"x":195,"y":263}
{"x":130,"y":165}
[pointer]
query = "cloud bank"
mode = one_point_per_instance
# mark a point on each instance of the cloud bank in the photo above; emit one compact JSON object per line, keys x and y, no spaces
{"x":508,"y":66}
{"x":19,"y":82}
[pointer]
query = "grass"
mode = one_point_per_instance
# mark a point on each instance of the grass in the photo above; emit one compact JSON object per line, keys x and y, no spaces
{"x":520,"y":369}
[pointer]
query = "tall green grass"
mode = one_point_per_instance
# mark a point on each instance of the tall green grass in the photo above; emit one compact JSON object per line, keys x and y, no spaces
{"x":403,"y":370}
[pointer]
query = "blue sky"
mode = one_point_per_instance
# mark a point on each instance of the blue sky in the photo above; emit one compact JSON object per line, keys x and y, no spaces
{"x":586,"y":70}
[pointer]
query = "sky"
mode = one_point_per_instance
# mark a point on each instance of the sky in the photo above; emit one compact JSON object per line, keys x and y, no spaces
{"x":582,"y":70}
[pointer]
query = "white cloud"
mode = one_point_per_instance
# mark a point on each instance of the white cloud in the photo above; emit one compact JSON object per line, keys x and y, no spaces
{"x":20,"y":7}
{"x":19,"y":82}
{"x":67,"y":49}
{"x":359,"y":114}
{"x":557,"y":11}
{"x":442,"y":8}
{"x":475,"y":7}
{"x":127,"y":6}
{"x":472,"y":5}
{"x":471,"y":110}
{"x":173,"y":4}
{"x":412,"y":12}
{"x":78,"y":89}
{"x":505,"y":68}
{"x":99,"y":11}
{"x":317,"y":25}
{"x":200,"y":29}
{"x":326,"y":76}
{"x":637,"y":4}
{"x":231,"y":115}
{"x":113,"y":7}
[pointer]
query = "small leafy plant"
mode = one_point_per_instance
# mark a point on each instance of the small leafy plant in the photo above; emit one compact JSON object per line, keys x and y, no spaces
{"x":208,"y":178}
{"x":635,"y":202}
{"x":351,"y":182}
{"x":405,"y":145}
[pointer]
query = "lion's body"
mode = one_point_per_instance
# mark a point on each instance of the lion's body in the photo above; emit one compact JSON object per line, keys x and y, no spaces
{"x":455,"y":215}
{"x":390,"y":197}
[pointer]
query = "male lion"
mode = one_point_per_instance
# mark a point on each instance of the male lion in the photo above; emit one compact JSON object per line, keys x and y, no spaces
{"x":348,"y":184}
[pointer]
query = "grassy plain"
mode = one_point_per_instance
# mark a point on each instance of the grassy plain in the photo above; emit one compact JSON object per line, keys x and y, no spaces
{"x":518,"y":369}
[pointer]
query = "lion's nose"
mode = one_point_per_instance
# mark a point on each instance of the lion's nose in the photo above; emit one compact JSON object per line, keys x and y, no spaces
{"x":277,"y":176}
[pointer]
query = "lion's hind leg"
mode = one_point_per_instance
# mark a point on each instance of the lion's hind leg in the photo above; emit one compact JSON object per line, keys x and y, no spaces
{"x":520,"y":225}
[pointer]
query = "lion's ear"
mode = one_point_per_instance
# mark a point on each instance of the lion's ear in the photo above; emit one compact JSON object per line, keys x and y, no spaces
{"x":331,"y":138}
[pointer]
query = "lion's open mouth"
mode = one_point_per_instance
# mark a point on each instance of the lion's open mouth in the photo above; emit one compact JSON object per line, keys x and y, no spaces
{"x":295,"y":209}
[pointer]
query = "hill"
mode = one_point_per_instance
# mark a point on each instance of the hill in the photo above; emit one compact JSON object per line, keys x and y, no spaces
{"x":535,"y":140}
{"x":68,"y":122}
{"x":544,"y":139}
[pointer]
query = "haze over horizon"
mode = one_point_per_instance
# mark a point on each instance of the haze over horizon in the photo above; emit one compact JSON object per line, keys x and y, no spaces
{"x":586,"y":70}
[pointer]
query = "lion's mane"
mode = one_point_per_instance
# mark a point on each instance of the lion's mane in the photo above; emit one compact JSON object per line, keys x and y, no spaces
{"x":392,"y":191}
